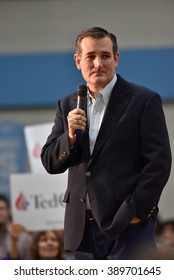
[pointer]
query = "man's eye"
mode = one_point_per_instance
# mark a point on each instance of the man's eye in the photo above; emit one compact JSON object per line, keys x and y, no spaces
{"x":105,"y":56}
{"x":90,"y":57}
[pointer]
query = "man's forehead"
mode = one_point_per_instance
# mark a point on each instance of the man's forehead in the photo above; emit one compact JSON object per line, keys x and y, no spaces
{"x":90,"y":44}
{"x":90,"y":39}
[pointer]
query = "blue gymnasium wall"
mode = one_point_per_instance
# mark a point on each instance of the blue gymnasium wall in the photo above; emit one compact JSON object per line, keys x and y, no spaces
{"x":41,"y":79}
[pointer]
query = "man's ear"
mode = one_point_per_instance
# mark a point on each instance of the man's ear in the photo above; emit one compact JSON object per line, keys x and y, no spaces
{"x":77,"y":60}
{"x":116,"y":58}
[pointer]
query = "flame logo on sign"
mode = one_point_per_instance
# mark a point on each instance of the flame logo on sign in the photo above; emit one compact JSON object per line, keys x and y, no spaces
{"x":36,"y":150}
{"x":21,"y":202}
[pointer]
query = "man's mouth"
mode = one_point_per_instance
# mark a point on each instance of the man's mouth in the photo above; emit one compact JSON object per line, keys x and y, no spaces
{"x":97,"y":73}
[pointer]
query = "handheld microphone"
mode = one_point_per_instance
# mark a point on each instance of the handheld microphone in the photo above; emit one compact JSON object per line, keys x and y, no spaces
{"x":81,"y":96}
{"x":81,"y":100}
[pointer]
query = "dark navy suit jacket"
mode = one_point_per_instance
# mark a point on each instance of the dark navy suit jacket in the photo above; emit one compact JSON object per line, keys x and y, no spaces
{"x":129,"y":166}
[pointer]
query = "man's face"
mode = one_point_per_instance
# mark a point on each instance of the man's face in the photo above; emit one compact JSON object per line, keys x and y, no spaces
{"x":97,"y":62}
{"x":4,"y":212}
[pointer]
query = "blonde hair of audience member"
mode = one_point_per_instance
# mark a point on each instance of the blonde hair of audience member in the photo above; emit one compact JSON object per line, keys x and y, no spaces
{"x":46,"y":245}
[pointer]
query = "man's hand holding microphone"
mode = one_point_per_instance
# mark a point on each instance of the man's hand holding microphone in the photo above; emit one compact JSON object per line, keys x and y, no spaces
{"x":77,"y":117}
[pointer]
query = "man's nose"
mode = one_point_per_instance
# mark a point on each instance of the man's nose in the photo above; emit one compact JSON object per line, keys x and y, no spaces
{"x":98,"y":63}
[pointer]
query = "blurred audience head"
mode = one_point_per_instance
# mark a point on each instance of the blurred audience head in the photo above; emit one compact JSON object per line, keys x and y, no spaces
{"x":4,"y":210}
{"x":167,"y":234}
{"x":46,"y":245}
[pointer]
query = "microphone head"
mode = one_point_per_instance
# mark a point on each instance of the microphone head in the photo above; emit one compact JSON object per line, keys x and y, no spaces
{"x":82,"y":90}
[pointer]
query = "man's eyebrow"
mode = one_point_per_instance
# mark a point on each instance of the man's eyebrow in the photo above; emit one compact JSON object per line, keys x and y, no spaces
{"x":90,"y":53}
{"x":103,"y":52}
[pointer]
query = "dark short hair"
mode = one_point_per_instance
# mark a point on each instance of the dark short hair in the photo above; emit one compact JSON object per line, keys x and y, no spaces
{"x":97,"y":33}
{"x":5,"y":199}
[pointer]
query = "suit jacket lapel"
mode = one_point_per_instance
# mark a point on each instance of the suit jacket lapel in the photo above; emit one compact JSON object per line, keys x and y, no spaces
{"x":116,"y":106}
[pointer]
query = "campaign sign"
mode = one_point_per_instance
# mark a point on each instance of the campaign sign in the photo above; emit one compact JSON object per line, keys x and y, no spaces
{"x":37,"y":200}
{"x":36,"y":136}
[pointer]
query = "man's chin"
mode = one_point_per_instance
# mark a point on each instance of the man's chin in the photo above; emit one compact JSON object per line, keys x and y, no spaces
{"x":100,"y":79}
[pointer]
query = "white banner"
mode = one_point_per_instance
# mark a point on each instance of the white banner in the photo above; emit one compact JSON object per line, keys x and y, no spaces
{"x":35,"y":137}
{"x":36,"y":200}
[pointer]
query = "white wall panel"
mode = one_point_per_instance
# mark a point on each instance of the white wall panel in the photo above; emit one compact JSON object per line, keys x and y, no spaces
{"x":39,"y":26}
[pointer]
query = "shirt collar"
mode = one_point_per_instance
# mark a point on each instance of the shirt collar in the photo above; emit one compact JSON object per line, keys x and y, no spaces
{"x":106,"y":91}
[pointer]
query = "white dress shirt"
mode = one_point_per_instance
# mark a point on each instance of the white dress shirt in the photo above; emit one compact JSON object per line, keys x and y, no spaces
{"x":95,"y":110}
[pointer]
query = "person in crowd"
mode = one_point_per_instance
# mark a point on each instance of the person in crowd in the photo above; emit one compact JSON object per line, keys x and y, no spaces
{"x":118,"y":154}
{"x":46,"y":245}
{"x":14,"y":239}
{"x":4,"y":222}
{"x":166,"y":246}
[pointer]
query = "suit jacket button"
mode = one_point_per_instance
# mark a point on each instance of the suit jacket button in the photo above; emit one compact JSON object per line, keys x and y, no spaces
{"x":65,"y":154}
{"x":82,"y":200}
{"x":149,"y":215}
{"x":88,"y":174}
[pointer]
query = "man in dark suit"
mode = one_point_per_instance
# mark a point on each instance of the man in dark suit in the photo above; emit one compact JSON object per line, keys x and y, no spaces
{"x":118,"y":164}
